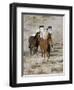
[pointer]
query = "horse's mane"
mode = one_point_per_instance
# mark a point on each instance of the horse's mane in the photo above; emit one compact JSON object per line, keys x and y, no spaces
{"x":38,"y":33}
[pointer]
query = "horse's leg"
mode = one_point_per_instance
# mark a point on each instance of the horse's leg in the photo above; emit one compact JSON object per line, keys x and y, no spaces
{"x":42,"y":52}
{"x":48,"y":50}
{"x":30,"y":51}
{"x":44,"y":55}
{"x":48,"y":54}
{"x":36,"y":49}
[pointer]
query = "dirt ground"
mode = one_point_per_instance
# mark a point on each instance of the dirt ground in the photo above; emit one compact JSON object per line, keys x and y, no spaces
{"x":36,"y":64}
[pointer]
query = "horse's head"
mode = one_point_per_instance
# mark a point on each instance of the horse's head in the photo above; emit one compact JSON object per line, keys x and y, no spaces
{"x":37,"y":36}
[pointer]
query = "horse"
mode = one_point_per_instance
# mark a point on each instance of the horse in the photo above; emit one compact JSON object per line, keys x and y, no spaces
{"x":34,"y":43}
{"x":45,"y":42}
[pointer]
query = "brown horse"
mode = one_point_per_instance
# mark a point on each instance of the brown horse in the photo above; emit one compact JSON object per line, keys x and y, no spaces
{"x":45,"y":45}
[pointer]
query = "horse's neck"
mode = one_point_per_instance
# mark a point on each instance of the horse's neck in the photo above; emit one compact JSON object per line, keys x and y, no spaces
{"x":44,"y":35}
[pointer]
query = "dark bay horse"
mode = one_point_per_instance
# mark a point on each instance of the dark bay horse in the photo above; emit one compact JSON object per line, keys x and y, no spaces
{"x":34,"y":43}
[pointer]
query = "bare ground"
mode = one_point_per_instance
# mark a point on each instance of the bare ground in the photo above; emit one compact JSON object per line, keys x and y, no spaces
{"x":36,"y":64}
